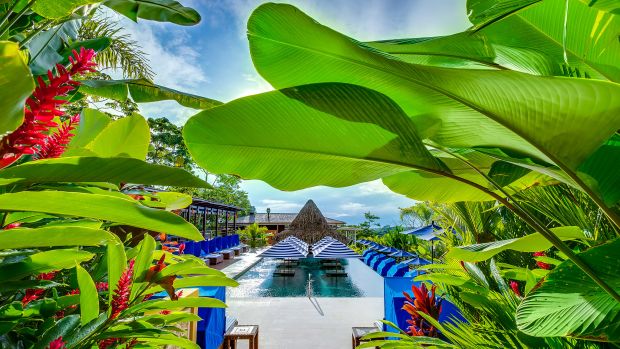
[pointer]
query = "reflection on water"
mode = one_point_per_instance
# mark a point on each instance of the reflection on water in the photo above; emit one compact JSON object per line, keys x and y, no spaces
{"x":259,"y":281}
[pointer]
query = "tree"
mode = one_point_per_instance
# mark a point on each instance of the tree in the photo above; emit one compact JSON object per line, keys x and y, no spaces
{"x":369,"y":222}
{"x":254,"y":235}
{"x":418,"y":215}
{"x":167,"y":148}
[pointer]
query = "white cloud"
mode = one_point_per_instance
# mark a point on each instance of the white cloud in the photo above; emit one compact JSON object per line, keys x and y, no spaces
{"x":354,"y":207}
{"x":281,"y":206}
{"x":372,"y":188}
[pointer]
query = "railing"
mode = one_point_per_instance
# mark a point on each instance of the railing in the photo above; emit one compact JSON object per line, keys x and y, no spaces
{"x":309,"y":289}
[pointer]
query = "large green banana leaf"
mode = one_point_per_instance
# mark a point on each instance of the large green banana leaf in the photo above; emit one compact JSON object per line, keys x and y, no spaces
{"x":538,"y":117}
{"x":455,"y":108}
{"x":103,"y":207}
{"x":329,"y":134}
{"x":144,"y":91}
{"x":591,"y":35}
{"x":468,"y":50}
{"x":16,"y":85}
{"x":155,"y":10}
{"x":95,"y":169}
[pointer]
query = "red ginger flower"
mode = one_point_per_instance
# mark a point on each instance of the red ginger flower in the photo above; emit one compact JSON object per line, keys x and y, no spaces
{"x":515,"y":288}
{"x":120,"y":300}
{"x":56,"y":143}
{"x":57,"y":343}
{"x":33,"y":294}
{"x":422,"y":303}
{"x":542,"y":265}
{"x":102,"y":286}
{"x":43,"y":106}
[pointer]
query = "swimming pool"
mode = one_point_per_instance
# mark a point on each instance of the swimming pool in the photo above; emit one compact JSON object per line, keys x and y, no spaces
{"x":260,"y":281}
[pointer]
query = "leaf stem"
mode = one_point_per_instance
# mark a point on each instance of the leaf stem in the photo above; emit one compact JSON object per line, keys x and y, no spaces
{"x":512,"y":204}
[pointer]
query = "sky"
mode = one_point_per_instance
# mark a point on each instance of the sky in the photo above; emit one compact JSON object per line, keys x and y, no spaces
{"x":212,"y":59}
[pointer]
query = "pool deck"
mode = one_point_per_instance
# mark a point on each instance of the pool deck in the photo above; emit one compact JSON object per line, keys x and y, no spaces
{"x":233,"y":268}
{"x":299,"y":323}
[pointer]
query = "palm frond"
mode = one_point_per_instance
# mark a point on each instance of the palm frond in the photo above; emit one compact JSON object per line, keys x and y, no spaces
{"x":124,"y":53}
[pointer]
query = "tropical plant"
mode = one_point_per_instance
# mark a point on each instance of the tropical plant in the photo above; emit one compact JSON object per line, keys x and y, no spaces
{"x":254,"y":235}
{"x":369,"y":224}
{"x":418,"y":215}
{"x":69,"y":280}
{"x":417,"y":116}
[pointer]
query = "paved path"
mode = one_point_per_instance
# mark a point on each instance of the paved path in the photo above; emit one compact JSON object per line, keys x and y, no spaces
{"x":239,"y":264}
{"x":298,"y":323}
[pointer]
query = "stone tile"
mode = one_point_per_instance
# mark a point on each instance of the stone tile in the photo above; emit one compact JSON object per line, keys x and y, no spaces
{"x":296,"y":323}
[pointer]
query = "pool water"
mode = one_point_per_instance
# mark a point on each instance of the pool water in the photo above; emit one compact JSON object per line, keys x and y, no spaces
{"x":259,"y":281}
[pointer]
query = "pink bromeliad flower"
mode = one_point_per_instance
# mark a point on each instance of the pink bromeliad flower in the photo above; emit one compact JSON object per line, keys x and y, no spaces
{"x":42,"y":107}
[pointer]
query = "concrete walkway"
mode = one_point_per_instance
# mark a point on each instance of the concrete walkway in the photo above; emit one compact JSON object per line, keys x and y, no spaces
{"x":298,"y":323}
{"x":233,"y":267}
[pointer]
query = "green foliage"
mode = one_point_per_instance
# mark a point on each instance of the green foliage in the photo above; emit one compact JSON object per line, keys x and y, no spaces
{"x":473,"y":140}
{"x":65,"y":273}
{"x":568,"y":303}
{"x":418,"y":215}
{"x":15,"y":86}
{"x":155,"y":10}
{"x":254,"y":235}
{"x":123,"y":52}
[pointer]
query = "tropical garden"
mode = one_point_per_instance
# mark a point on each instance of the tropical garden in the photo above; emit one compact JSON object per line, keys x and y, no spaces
{"x":81,"y":251}
{"x":510,"y":131}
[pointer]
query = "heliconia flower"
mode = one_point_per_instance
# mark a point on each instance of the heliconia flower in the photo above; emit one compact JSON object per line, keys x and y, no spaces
{"x":42,"y":107}
{"x":515,"y":288}
{"x":422,"y":302}
{"x":181,"y":248}
{"x":165,"y":312}
{"x":57,"y":343}
{"x":102,"y":286}
{"x":12,"y":226}
{"x":120,"y":300}
{"x":56,"y":143}
{"x":542,"y":265}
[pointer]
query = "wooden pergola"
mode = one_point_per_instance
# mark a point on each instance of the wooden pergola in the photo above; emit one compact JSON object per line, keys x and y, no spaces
{"x":211,"y":218}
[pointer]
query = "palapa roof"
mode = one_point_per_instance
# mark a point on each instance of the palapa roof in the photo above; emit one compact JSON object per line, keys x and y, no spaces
{"x":310,"y":226}
{"x":276,"y":218}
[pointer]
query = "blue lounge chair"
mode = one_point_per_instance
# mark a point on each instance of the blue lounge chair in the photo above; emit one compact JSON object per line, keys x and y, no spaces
{"x":398,"y":270}
{"x":385,"y":265}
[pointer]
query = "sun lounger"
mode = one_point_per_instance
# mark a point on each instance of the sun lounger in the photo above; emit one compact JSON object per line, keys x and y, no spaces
{"x":214,"y":258}
{"x":228,"y":254}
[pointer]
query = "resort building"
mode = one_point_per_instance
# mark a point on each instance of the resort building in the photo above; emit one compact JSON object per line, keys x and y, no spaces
{"x":278,"y":222}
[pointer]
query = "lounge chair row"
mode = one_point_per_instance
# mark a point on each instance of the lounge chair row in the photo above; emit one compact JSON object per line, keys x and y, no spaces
{"x":386,"y":266}
{"x":216,"y":250}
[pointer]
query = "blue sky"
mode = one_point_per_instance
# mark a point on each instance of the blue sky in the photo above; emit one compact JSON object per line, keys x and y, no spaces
{"x":212,"y":59}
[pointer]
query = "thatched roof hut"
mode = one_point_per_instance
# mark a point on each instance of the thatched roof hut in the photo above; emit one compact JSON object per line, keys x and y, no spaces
{"x":310,"y":226}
